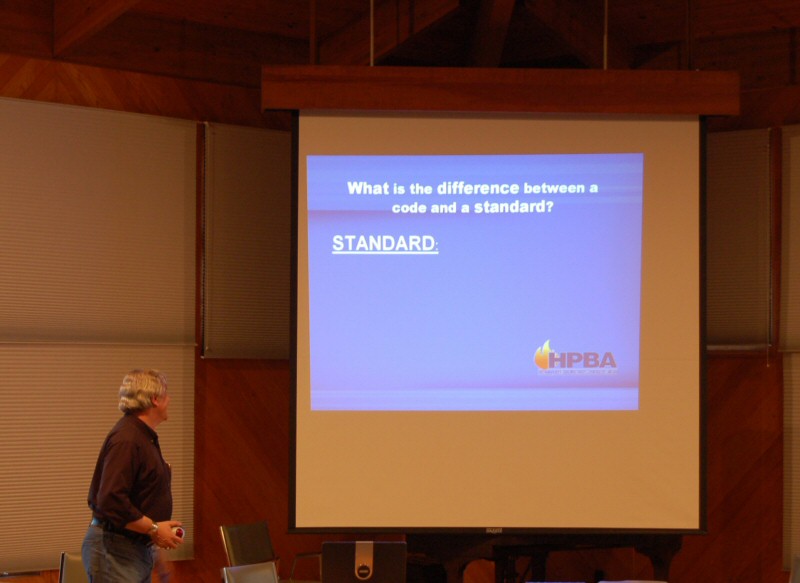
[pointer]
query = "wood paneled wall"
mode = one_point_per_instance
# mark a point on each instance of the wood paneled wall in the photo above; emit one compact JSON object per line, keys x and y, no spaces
{"x":242,"y":407}
{"x":242,"y":461}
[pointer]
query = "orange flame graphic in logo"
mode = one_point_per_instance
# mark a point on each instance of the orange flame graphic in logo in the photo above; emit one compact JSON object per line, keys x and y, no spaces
{"x":542,"y":357}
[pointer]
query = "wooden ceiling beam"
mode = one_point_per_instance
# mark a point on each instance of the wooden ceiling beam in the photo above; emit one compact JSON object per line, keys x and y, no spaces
{"x":394,"y":23}
{"x":581,"y":30}
{"x":187,"y":50}
{"x":75,"y":21}
{"x":491,"y":29}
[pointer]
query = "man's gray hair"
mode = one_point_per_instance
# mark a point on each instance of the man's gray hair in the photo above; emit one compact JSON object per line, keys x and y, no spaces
{"x":138,"y":389}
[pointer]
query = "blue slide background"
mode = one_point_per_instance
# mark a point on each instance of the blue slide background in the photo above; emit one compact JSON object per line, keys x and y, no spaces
{"x":458,"y":329}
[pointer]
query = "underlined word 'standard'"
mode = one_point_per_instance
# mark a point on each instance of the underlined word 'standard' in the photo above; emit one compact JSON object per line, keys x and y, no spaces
{"x":384,"y":245}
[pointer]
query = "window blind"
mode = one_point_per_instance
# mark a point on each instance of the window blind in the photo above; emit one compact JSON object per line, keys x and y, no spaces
{"x":790,"y":339}
{"x":738,"y":238}
{"x":97,"y":256}
{"x":790,"y":241}
{"x":247,"y":260}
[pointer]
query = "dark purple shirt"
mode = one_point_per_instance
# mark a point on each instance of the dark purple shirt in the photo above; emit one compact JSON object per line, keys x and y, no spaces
{"x":131,"y":478}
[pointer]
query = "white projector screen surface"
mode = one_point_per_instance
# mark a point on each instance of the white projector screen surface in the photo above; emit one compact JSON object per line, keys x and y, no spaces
{"x":497,"y":323}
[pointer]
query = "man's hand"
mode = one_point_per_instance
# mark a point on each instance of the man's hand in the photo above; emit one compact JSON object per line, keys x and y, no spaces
{"x":165,"y":537}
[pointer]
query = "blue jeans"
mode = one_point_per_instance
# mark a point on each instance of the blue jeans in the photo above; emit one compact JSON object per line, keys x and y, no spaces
{"x":109,"y":557}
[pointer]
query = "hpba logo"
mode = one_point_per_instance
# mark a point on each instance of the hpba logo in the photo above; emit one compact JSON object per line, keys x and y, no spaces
{"x":548,"y":360}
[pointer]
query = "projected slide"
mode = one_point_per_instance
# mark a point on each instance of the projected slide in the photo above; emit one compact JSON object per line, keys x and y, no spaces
{"x":474,"y":282}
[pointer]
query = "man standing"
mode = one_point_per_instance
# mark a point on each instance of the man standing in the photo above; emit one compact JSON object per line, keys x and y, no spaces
{"x":130,"y":494}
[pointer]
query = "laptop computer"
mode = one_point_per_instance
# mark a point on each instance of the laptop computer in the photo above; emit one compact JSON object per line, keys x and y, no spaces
{"x":364,"y":562}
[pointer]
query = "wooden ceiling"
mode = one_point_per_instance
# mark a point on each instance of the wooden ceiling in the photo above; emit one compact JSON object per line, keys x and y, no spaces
{"x":227,"y":41}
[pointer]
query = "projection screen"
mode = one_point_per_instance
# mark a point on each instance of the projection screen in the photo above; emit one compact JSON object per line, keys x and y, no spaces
{"x":498,"y":323}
